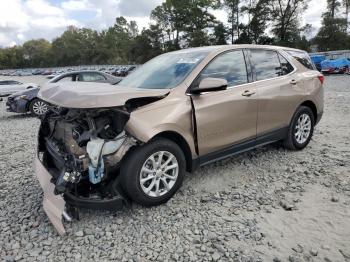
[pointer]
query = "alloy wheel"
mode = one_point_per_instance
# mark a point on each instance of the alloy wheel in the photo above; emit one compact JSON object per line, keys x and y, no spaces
{"x":303,"y":128}
{"x":40,"y":108}
{"x":159,"y":173}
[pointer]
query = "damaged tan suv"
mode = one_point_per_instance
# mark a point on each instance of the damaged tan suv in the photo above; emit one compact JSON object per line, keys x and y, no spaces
{"x":103,"y":145}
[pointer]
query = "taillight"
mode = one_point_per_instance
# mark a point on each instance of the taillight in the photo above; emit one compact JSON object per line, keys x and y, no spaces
{"x":321,"y":78}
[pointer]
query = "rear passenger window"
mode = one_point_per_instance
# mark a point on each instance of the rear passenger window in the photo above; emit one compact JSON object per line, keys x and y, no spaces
{"x":286,"y":67}
{"x":230,"y":66}
{"x":91,"y":77}
{"x":303,"y":58}
{"x":266,"y":63}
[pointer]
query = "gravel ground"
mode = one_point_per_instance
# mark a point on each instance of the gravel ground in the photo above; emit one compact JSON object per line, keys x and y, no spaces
{"x":269,"y":204}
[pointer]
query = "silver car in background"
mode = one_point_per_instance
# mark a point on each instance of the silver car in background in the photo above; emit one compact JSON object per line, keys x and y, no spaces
{"x":9,"y":87}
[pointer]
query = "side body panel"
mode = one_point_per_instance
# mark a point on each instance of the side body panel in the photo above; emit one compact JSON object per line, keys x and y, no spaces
{"x":280,"y":97}
{"x":275,"y":101}
{"x":278,"y":100}
{"x":225,"y":117}
{"x":314,"y":90}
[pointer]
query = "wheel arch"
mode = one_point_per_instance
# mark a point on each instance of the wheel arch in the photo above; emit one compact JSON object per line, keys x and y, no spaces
{"x":29,"y":102}
{"x":181,"y":142}
{"x":312,"y":106}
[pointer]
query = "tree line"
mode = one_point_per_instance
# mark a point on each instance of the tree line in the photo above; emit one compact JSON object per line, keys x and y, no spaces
{"x":180,"y":24}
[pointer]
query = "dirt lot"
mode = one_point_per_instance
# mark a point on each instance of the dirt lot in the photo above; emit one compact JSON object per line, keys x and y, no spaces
{"x":269,"y":204}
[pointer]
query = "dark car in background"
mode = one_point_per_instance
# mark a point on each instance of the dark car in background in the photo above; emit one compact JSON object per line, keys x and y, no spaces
{"x":124,"y":71}
{"x":27,"y":101}
{"x":86,"y":76}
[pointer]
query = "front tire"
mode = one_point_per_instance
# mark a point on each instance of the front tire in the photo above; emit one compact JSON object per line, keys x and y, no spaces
{"x":152,"y":173}
{"x":38,"y":107}
{"x":301,"y":129}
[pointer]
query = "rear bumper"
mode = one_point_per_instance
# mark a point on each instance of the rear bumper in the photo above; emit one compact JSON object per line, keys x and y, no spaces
{"x":319,"y":117}
{"x":54,"y":205}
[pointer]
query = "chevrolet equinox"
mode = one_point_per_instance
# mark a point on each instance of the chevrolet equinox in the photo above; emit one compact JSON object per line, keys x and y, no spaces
{"x":100,"y":146}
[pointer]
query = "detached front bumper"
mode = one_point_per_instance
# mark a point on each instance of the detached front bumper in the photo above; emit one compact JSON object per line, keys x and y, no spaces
{"x":54,"y":205}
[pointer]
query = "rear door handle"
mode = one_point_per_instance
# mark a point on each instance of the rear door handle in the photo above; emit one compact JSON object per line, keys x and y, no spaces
{"x":293,"y":82}
{"x":248,"y":93}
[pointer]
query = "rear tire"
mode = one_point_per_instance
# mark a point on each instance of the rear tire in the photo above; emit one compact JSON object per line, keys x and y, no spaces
{"x":38,"y":107}
{"x":152,"y":173}
{"x":301,"y":129}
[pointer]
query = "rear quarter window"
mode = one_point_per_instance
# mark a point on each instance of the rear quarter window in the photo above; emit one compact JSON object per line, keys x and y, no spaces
{"x":286,"y":67}
{"x":303,"y":58}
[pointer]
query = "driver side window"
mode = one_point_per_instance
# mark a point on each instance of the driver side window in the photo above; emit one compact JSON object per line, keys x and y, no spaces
{"x":230,"y":66}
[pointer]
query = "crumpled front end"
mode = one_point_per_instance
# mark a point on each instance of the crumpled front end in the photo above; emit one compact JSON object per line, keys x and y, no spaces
{"x":79,"y":154}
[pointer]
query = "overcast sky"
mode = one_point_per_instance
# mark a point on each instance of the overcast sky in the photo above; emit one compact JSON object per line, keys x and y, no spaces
{"x":21,"y":20}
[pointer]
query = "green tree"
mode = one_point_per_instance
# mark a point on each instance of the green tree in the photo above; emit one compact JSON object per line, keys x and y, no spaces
{"x":219,"y":35}
{"x":332,"y":35}
{"x":185,"y":20}
{"x":199,"y":21}
{"x":285,"y":15}
{"x":12,"y":57}
{"x":37,"y":53}
{"x":146,"y":45}
{"x":333,"y":32}
{"x":171,"y":17}
{"x":259,"y":13}
{"x":333,"y":7}
{"x":346,"y":4}
{"x":115,"y":42}
{"x":75,"y":47}
{"x":232,"y":7}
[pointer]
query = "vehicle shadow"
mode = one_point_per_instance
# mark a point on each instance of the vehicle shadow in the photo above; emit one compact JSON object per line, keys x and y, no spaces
{"x":210,"y":171}
{"x":256,"y":155}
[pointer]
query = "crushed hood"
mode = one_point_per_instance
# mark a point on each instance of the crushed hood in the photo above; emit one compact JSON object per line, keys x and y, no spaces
{"x":93,"y":95}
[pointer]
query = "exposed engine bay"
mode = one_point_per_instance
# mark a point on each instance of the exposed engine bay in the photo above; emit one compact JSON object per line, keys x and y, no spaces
{"x":82,"y":150}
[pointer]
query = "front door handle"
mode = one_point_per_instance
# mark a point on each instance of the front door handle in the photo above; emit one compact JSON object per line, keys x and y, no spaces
{"x":248,"y":93}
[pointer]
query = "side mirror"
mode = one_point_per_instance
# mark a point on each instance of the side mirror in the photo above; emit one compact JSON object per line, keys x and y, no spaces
{"x":210,"y":85}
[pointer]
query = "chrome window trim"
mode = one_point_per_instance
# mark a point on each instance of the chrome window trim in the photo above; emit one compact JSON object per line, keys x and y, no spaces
{"x":278,"y":51}
{"x":226,"y":52}
{"x":273,"y":78}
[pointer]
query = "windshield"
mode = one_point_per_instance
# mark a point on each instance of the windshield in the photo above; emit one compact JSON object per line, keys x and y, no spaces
{"x":165,"y":71}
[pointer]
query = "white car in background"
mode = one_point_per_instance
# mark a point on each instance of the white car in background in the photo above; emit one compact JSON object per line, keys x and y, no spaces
{"x":9,"y":87}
